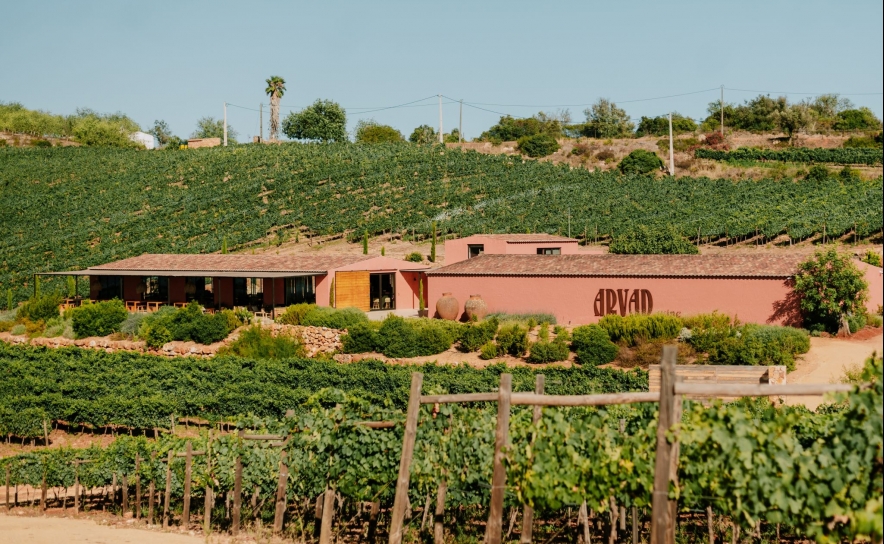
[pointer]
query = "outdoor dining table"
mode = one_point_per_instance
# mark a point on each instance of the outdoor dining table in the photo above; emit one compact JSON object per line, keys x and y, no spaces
{"x":154,"y":306}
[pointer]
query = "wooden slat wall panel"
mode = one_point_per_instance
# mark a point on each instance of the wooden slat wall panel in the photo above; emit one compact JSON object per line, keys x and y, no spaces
{"x":719,"y":374}
{"x":352,"y":290}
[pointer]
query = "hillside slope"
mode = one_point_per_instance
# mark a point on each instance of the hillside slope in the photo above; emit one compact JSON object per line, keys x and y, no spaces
{"x":66,"y":208}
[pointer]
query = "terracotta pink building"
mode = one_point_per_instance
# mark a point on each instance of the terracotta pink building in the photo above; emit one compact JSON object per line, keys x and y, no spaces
{"x":581,"y":288}
{"x":258,"y":281}
{"x":462,"y":249}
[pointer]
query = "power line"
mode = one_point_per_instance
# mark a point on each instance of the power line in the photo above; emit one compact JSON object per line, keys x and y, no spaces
{"x":792,"y":92}
{"x":589,"y":104}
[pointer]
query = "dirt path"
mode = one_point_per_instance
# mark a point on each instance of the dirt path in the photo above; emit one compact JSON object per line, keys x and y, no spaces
{"x":827,"y":360}
{"x":53,"y":530}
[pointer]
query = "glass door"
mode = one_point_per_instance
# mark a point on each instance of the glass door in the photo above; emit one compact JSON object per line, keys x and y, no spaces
{"x":382,"y":291}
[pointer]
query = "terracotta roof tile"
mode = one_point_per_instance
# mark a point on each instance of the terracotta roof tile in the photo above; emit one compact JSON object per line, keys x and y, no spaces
{"x":233,"y":263}
{"x":760,"y":266}
{"x":527,"y":238}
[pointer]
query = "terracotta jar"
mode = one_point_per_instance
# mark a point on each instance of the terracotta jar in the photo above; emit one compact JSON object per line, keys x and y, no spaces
{"x":476,"y":308}
{"x":447,"y":307}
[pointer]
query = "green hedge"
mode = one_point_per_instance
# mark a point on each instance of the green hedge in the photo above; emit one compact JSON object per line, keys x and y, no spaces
{"x":636,"y":327}
{"x":98,"y":319}
{"x":592,"y":345}
{"x":795,"y":154}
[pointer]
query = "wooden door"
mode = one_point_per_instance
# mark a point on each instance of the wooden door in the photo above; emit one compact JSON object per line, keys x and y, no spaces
{"x":352,"y":290}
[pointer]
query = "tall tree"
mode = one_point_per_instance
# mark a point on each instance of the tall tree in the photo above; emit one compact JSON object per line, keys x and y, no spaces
{"x":275,"y":89}
{"x":605,"y":120}
{"x":323,"y":121}
{"x":209,"y":127}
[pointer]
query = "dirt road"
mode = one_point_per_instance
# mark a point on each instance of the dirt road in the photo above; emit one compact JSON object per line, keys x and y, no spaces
{"x":54,"y":530}
{"x":827,"y":360}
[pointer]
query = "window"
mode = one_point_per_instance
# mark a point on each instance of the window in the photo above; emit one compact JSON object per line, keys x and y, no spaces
{"x":474,"y":250}
{"x":382,"y":291}
{"x":300,"y":289}
{"x":156,"y":288}
{"x":110,"y":287}
{"x":549,"y":251}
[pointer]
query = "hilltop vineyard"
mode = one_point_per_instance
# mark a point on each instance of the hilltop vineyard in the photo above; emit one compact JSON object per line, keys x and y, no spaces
{"x":66,"y":208}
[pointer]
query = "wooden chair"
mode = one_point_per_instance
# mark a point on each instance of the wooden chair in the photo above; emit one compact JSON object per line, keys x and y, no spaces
{"x":387,"y":303}
{"x":375,"y":304}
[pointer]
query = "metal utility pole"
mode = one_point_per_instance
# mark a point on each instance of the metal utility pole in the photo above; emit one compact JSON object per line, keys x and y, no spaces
{"x":460,"y":123}
{"x":441,"y":139}
{"x":261,"y":122}
{"x":225,"y":124}
{"x":671,"y":147}
{"x":721,"y":105}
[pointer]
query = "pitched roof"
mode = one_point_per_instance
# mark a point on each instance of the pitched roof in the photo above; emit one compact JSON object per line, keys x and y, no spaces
{"x":527,"y":238}
{"x":232,"y":263}
{"x":753,"y":266}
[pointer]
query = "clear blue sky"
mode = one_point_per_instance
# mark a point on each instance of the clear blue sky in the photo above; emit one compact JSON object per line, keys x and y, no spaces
{"x":180,"y":60}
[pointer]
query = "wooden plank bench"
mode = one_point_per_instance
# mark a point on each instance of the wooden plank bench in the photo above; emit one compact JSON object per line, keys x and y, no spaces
{"x":721,"y":374}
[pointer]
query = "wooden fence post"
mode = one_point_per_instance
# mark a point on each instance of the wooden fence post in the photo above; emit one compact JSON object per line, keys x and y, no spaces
{"x":151,"y":491}
{"x":373,"y":522}
{"x":43,"y":492}
{"x":439,"y":514}
{"x":660,"y":512}
{"x":8,"y":505}
{"x":237,"y":491}
{"x":673,"y":459}
{"x":280,"y":493}
{"x":494,"y":527}
{"x":528,"y":513}
{"x":188,"y":460}
{"x":137,"y":487}
{"x":401,"y":499}
{"x":209,"y":499}
{"x":124,"y":485}
{"x":168,"y":496}
{"x":328,"y":514}
{"x":76,"y":488}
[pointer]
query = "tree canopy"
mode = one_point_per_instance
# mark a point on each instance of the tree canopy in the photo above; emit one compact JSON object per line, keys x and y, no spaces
{"x":209,"y":127}
{"x":605,"y":120}
{"x":323,"y":121}
{"x":372,"y":132}
{"x":424,"y":134}
{"x":659,"y":126}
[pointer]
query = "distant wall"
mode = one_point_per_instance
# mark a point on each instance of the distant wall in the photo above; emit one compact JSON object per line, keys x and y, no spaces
{"x":203,"y":142}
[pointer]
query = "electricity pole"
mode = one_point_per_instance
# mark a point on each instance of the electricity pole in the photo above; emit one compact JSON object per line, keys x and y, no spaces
{"x":460,"y":123}
{"x":441,"y":140}
{"x":671,"y":154}
{"x":722,"y":110}
{"x":261,"y":122}
{"x":225,"y":124}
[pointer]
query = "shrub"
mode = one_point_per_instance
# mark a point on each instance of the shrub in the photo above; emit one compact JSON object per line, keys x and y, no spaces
{"x":715,"y":139}
{"x":538,"y":145}
{"x":99,"y":318}
{"x":856,"y":322}
{"x":18,"y":330}
{"x":640,"y":162}
{"x":6,"y":326}
{"x":539,"y":317}
{"x":633,"y":328}
{"x":830,"y":286}
{"x":372,"y":132}
{"x":581,"y":148}
{"x":872,"y":257}
{"x":475,"y":335}
{"x":344,"y":318}
{"x":256,"y":342}
{"x":489,"y":350}
{"x":706,"y":321}
{"x":294,"y":314}
{"x":186,"y":324}
{"x":513,"y":339}
{"x":545,"y":351}
{"x":41,"y":307}
{"x":861,"y":141}
{"x":643,"y":240}
{"x":401,"y":338}
{"x":605,"y":155}
{"x":680,"y":145}
{"x":817,"y":173}
{"x":593,"y":345}
{"x":41,"y":143}
{"x":414,"y":257}
{"x":132,"y":323}
{"x":874,"y":321}
{"x":752,"y":344}
{"x":362,"y":338}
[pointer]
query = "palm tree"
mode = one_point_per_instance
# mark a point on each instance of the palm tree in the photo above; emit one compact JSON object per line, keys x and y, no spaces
{"x":275,"y":89}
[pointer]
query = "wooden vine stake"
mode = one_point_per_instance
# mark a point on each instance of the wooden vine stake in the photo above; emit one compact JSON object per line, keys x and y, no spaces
{"x":168,"y":497}
{"x":210,"y":500}
{"x":237,"y":492}
{"x":661,"y":517}
{"x":188,"y":461}
{"x":8,"y":504}
{"x":328,"y":515}
{"x":280,"y":493}
{"x":528,"y":513}
{"x":439,"y":514}
{"x":494,"y":528}
{"x":137,"y":487}
{"x":151,"y":492}
{"x":400,"y":502}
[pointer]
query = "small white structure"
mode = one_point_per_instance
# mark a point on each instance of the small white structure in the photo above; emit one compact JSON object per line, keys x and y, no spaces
{"x":145,"y":139}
